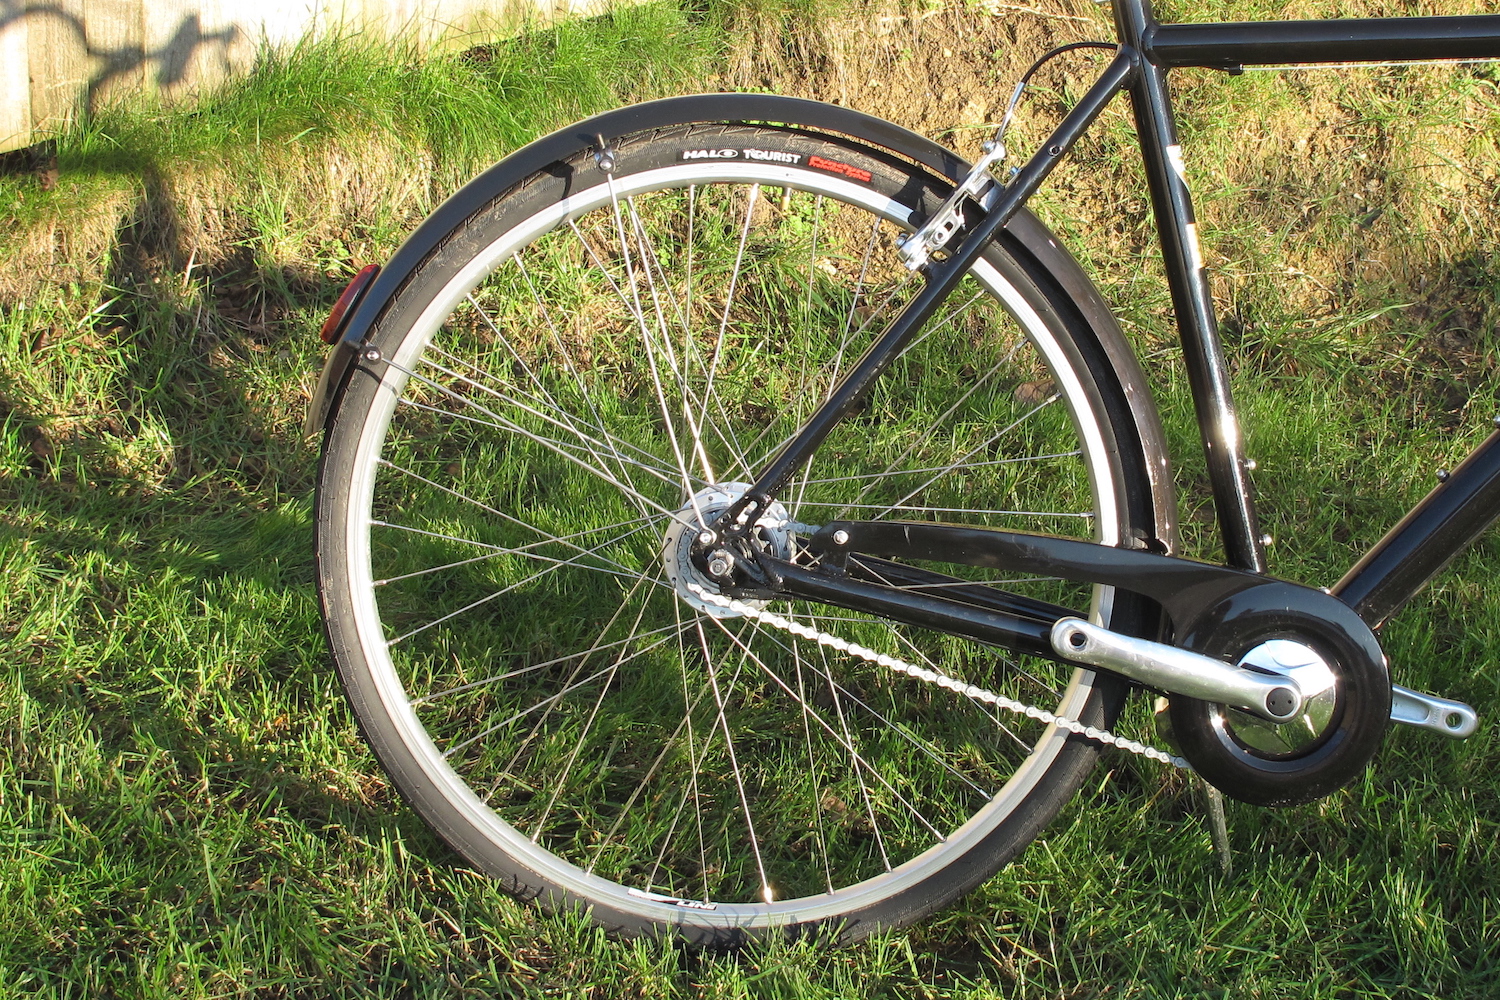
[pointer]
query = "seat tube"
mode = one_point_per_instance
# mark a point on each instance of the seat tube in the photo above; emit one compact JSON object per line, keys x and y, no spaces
{"x":1203,"y":352}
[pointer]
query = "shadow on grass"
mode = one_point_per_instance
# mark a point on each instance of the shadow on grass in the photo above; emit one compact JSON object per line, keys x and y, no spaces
{"x":196,"y":803}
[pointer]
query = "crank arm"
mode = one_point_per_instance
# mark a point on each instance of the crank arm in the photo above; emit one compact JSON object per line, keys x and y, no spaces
{"x":1036,"y":628}
{"x":1178,"y":671}
{"x":1439,"y":715}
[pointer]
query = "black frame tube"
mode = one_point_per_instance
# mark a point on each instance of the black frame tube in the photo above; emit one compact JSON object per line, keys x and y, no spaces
{"x":1436,"y":530}
{"x":942,"y":278}
{"x":1192,"y":301}
{"x":1375,"y":39}
{"x":1429,"y":537}
{"x":1024,"y":633}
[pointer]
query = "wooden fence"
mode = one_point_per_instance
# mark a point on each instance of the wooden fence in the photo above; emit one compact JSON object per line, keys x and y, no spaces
{"x":60,"y":56}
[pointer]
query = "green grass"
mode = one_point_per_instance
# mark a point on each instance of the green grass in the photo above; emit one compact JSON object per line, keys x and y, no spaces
{"x":185,"y":806}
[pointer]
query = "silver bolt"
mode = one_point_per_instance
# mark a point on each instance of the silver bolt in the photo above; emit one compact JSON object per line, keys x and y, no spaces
{"x":372,"y":354}
{"x":1442,"y":475}
{"x":605,"y":156}
{"x":706,"y":537}
{"x":1250,"y":465}
{"x":841,"y":537}
{"x":1267,"y":541}
{"x":720,"y":564}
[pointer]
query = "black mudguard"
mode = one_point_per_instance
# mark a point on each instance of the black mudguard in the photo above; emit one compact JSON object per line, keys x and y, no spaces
{"x":1029,"y":235}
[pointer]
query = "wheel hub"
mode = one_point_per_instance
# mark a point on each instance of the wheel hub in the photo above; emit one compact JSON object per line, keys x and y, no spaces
{"x":773,"y":534}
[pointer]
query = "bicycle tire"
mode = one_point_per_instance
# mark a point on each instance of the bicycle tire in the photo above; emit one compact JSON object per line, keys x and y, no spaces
{"x":509,"y":413}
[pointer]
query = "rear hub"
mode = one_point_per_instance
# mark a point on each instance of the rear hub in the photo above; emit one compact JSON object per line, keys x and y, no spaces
{"x":695,"y":568}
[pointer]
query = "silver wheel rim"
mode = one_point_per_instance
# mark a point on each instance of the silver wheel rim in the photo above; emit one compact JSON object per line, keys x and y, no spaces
{"x":392,"y":690}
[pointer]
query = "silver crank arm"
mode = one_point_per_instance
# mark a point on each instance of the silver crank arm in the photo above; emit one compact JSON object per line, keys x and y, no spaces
{"x":1425,"y":711}
{"x":1178,"y":671}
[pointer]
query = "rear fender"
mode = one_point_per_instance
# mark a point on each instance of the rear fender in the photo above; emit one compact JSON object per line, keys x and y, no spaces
{"x":1024,"y":232}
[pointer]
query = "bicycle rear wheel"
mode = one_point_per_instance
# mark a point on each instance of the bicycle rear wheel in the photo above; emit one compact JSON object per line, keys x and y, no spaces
{"x":593,"y":365}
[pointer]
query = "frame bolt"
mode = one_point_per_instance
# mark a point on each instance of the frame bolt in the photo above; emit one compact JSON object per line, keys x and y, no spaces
{"x":372,"y":354}
{"x":706,"y":537}
{"x":720,"y":564}
{"x":1442,"y":475}
{"x":841,"y":537}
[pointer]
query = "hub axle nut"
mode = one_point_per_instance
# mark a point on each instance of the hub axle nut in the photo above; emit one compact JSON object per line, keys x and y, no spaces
{"x":720,"y":564}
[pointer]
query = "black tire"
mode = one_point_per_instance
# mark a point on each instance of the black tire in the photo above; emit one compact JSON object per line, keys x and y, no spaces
{"x":580,"y":366}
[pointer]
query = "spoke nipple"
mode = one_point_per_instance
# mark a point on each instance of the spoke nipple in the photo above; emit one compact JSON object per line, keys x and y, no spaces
{"x":605,"y":157}
{"x":1442,"y":475}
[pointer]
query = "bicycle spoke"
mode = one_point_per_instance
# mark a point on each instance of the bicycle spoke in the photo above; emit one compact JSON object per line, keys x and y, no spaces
{"x":722,"y":722}
{"x":502,"y":424}
{"x":595,"y":366}
{"x":648,"y":341}
{"x":581,"y":656}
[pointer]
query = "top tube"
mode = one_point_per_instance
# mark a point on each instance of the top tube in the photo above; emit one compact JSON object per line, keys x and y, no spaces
{"x":1377,"y":39}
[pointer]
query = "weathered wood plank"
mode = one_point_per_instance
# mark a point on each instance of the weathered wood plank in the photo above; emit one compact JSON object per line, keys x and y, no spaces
{"x":15,"y":79}
{"x":58,"y":57}
{"x":59,"y":61}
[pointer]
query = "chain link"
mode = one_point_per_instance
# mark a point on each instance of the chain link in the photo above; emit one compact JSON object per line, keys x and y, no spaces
{"x":971,"y":691}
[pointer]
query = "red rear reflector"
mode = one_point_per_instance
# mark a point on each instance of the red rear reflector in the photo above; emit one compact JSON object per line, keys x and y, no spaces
{"x":334,"y":324}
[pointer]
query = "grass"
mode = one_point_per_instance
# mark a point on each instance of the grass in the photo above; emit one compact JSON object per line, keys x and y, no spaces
{"x":185,"y":806}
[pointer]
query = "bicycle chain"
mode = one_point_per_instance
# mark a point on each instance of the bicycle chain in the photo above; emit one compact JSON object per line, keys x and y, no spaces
{"x":971,"y":691}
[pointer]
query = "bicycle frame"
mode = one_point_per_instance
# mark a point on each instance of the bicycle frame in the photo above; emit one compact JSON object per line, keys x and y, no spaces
{"x":1463,"y":504}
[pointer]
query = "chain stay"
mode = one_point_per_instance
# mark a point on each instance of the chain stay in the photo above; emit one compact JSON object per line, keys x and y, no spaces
{"x":939,"y":679}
